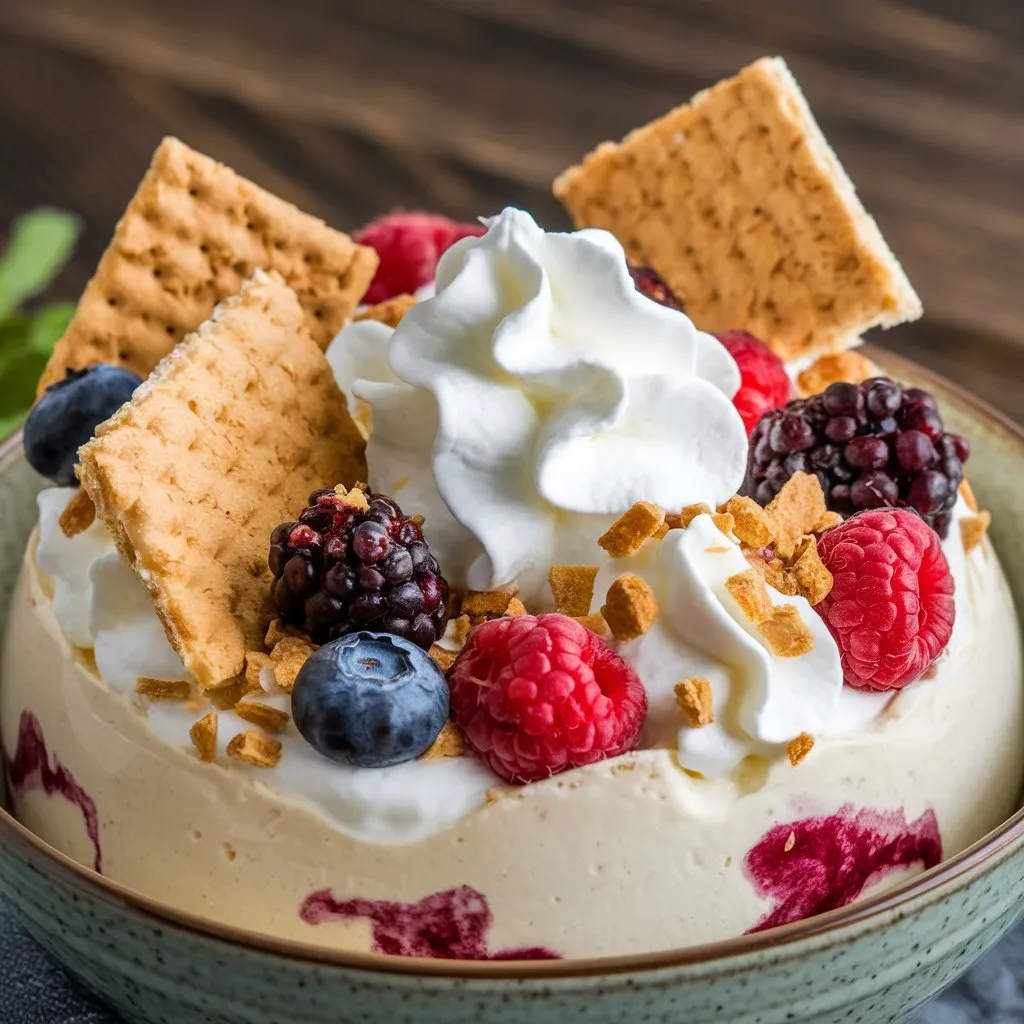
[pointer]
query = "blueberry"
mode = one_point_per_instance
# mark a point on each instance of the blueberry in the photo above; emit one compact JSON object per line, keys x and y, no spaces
{"x":67,"y":414}
{"x":370,"y":699}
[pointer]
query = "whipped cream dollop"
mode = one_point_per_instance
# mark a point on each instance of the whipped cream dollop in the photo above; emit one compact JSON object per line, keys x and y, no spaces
{"x":761,"y":701}
{"x":534,"y":398}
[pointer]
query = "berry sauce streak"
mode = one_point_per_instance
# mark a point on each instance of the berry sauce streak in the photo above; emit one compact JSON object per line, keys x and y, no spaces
{"x":818,"y":864}
{"x":449,"y":925}
{"x":31,"y":768}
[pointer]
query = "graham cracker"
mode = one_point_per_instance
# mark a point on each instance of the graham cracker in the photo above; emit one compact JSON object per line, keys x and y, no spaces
{"x":192,"y":233}
{"x":226,"y":439}
{"x":739,"y":203}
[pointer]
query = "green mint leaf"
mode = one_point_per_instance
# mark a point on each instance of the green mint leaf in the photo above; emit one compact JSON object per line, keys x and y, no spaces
{"x":41,"y":242}
{"x":19,"y":375}
{"x":47,"y":326}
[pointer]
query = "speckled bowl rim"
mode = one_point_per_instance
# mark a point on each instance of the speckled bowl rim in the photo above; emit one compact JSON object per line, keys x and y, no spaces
{"x":776,"y":940}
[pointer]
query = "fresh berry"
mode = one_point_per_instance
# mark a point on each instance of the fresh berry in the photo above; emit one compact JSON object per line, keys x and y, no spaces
{"x":536,"y":696}
{"x":370,"y":699}
{"x":341,"y":568}
{"x":67,"y":415}
{"x":872,"y":445}
{"x":409,"y":246}
{"x":649,"y":282}
{"x":764,"y":383}
{"x":891,"y":604}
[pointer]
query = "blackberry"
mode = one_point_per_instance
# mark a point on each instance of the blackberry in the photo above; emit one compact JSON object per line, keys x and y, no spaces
{"x":652,"y":284}
{"x":339,"y":569}
{"x":872,"y":445}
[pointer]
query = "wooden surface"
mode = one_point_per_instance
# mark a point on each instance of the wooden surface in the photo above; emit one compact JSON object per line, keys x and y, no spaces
{"x":351,"y":108}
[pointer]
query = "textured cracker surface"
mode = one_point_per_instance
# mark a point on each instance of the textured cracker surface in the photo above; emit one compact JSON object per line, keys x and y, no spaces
{"x":227,"y":439}
{"x":738,"y":202}
{"x":192,"y":233}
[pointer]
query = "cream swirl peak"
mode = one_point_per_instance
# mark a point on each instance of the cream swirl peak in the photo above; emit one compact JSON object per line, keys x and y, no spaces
{"x":536,"y":393}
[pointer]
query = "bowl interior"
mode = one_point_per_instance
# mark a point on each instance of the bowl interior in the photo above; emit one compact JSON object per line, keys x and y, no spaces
{"x":996,"y":470}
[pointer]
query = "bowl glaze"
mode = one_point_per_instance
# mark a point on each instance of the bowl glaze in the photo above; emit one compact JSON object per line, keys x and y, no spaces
{"x":875,"y":962}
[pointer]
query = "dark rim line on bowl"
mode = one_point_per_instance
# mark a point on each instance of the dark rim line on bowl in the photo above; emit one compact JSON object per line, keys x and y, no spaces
{"x":776,"y":938}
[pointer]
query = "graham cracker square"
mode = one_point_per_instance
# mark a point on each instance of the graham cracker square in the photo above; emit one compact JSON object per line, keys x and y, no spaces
{"x":192,"y":233}
{"x":227,"y":438}
{"x":737,"y":200}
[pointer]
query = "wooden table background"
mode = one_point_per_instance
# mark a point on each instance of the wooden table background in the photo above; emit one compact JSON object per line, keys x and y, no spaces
{"x":352,"y":108}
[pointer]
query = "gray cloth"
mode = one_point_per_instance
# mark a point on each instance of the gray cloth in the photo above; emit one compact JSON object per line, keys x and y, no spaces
{"x":36,"y":991}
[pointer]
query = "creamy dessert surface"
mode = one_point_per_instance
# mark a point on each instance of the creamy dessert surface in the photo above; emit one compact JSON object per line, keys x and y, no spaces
{"x":559,"y":860}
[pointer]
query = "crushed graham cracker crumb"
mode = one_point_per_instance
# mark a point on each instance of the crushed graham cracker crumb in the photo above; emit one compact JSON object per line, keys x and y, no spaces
{"x":443,"y":658}
{"x":228,"y":694}
{"x":204,"y":736}
{"x":78,"y":515}
{"x":515,"y":608}
{"x":277,"y":631}
{"x":450,"y":742}
{"x":630,"y":607}
{"x":724,"y":521}
{"x":786,"y":633}
{"x":718,"y":549}
{"x":572,"y":587}
{"x":481,"y":605}
{"x":163,"y":689}
{"x":973,"y":530}
{"x":595,"y":623}
{"x":690,"y":512}
{"x":263,"y":715}
{"x":288,"y":656}
{"x":829,"y":521}
{"x":673,"y":521}
{"x":749,"y":591}
{"x":812,"y":578}
{"x":794,"y":511}
{"x":662,"y":531}
{"x":254,"y":748}
{"x":255,"y":662}
{"x":778,"y":577}
{"x":694,"y":699}
{"x":459,"y":628}
{"x":751,"y":523}
{"x":833,"y":367}
{"x":390,"y":311}
{"x":799,"y":747}
{"x":637,"y":524}
{"x":968,"y":495}
{"x":354,"y":498}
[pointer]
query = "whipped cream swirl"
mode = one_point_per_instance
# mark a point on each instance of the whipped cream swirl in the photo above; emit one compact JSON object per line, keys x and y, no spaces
{"x":536,"y":397}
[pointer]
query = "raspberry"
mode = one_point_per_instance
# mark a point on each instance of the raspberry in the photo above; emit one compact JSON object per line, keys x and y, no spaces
{"x":891,"y":604}
{"x":650,"y":283}
{"x":764,"y":383}
{"x":340,"y":569}
{"x":872,"y":445}
{"x":409,"y":246}
{"x":536,"y":696}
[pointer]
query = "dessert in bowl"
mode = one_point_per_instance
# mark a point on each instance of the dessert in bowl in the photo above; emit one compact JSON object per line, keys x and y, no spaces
{"x":562,"y":638}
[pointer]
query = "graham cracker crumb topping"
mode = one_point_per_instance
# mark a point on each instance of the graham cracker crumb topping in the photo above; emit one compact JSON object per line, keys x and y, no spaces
{"x":256,"y":749}
{"x":255,"y":662}
{"x":443,"y":658}
{"x":849,"y":366}
{"x":595,"y":623}
{"x":626,"y":535}
{"x":973,"y":530}
{"x":288,"y":657}
{"x":450,"y":742}
{"x":786,"y":633}
{"x":968,"y":494}
{"x":748,"y":590}
{"x":163,"y":689}
{"x":724,"y":521}
{"x":515,"y":608}
{"x":750,"y":522}
{"x":630,"y":607}
{"x":263,"y":715}
{"x":481,"y":605}
{"x":78,"y":515}
{"x":829,"y":521}
{"x":813,"y":580}
{"x":794,"y":511}
{"x":690,"y":512}
{"x":390,"y":311}
{"x":694,"y":699}
{"x":798,"y":748}
{"x":572,"y":587}
{"x":204,"y":736}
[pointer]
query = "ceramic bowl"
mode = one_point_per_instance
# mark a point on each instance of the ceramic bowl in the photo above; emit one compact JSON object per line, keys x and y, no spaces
{"x":877,"y":961}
